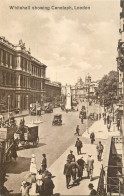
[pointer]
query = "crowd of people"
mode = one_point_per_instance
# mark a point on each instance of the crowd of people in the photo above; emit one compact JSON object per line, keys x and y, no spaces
{"x":73,"y":169}
{"x":40,"y":179}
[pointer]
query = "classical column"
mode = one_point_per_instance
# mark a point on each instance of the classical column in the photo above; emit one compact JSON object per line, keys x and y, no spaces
{"x":27,"y":102}
{"x":18,"y":101}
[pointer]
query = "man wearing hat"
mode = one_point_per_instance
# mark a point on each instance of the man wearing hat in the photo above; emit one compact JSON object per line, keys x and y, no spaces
{"x":90,"y":166}
{"x":93,"y":191}
{"x":48,"y":186}
{"x":67,"y":172}
{"x":100,"y":149}
{"x":77,"y":130}
{"x":78,"y":145}
{"x":81,"y":164}
{"x":44,"y":163}
{"x":71,"y":156}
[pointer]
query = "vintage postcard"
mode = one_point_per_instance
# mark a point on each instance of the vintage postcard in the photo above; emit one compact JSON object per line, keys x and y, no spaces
{"x":61,"y":97}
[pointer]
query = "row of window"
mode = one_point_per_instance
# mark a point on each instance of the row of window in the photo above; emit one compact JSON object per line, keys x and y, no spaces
{"x":7,"y":79}
{"x":6,"y":58}
{"x":9,"y":60}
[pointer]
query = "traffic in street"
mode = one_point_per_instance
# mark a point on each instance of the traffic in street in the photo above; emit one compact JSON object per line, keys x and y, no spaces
{"x":53,"y":141}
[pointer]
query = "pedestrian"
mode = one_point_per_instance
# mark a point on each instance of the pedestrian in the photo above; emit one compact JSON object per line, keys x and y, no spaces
{"x":25,"y":189}
{"x":81,"y":164}
{"x":92,"y":190}
{"x":104,"y":120}
{"x":79,"y":145}
{"x":118,"y":123}
{"x":92,"y":137}
{"x":77,"y":130}
{"x":90,"y":167}
{"x":82,"y":119}
{"x":108,"y":119}
{"x":67,"y":172}
{"x":14,"y":150}
{"x":71,"y":156}
{"x":109,"y":127}
{"x":100,"y":149}
{"x":39,"y":182}
{"x":44,"y":163}
{"x":74,"y":170}
{"x":33,"y":169}
{"x":48,"y":186}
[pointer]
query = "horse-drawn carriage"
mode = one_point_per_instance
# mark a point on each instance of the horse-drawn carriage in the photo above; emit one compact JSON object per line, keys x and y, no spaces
{"x":27,"y":135}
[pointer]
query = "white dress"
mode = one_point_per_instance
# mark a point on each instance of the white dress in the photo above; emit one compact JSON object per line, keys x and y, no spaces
{"x":33,"y":168}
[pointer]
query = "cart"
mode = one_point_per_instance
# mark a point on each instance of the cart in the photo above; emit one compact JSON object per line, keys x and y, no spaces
{"x":27,"y":136}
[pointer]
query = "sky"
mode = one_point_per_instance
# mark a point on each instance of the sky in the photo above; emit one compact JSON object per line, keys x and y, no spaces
{"x":71,"y":43}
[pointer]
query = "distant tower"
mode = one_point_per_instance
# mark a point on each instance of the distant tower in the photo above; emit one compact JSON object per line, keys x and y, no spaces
{"x":87,"y":79}
{"x":68,"y":97}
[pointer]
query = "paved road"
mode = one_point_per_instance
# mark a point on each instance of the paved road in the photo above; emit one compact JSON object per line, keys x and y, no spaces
{"x":53,"y":140}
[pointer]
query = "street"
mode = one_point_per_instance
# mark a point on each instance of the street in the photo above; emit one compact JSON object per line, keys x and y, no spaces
{"x":53,"y":141}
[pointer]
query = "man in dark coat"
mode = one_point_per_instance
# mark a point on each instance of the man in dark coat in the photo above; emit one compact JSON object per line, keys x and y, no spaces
{"x":74,"y":170}
{"x":71,"y":156}
{"x":67,"y":172}
{"x":48,"y":186}
{"x":92,"y":137}
{"x":77,"y":130}
{"x":81,"y":164}
{"x":93,"y":191}
{"x":78,"y":145}
{"x":44,"y":162}
{"x":100,"y":149}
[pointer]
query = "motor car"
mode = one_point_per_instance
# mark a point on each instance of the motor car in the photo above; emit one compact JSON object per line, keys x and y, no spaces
{"x":57,"y":120}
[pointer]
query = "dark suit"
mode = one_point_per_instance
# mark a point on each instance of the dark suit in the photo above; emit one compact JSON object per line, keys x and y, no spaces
{"x":93,"y":192}
{"x":79,"y":146}
{"x":48,"y":186}
{"x":44,"y":164}
{"x":81,"y":164}
{"x":71,"y":157}
{"x":67,"y":173}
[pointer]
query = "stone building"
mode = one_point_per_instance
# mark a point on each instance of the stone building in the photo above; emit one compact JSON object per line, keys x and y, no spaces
{"x":52,"y":91}
{"x":22,"y":77}
{"x":120,"y":49}
{"x":83,"y":89}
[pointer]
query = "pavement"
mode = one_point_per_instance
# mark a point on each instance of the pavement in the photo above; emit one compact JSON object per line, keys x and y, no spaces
{"x":21,"y":114}
{"x":57,"y":167}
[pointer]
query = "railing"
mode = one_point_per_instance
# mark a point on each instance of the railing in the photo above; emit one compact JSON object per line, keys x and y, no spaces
{"x":113,"y":185}
{"x":117,"y":139}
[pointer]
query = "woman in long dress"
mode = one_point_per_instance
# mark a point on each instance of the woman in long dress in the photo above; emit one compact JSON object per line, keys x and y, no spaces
{"x":33,"y":169}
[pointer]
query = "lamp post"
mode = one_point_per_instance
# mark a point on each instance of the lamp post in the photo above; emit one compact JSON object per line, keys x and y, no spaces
{"x":8,"y":104}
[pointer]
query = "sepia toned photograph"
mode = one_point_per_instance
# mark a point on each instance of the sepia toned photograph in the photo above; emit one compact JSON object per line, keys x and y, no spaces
{"x":62,"y":98}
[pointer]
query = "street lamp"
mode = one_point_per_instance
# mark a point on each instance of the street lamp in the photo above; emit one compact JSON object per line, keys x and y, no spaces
{"x":8,"y":104}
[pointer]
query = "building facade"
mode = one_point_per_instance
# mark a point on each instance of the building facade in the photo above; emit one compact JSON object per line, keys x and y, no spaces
{"x":22,"y":77}
{"x":83,"y":89}
{"x":120,"y":49}
{"x":52,"y":91}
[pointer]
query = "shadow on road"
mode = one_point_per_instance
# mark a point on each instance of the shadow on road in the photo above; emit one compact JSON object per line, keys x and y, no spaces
{"x":22,"y":164}
{"x":30,"y":146}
